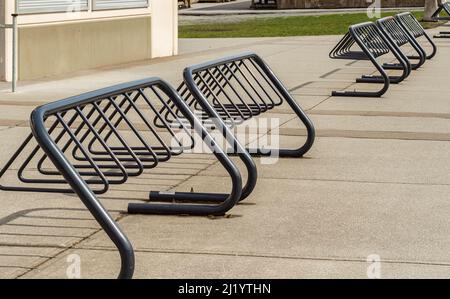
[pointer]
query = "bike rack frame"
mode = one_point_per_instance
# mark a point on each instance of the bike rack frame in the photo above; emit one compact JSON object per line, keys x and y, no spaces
{"x":111,"y":116}
{"x":442,"y":7}
{"x":399,"y":37}
{"x":372,"y":44}
{"x":436,"y":16}
{"x":238,"y":88}
{"x":415,"y":30}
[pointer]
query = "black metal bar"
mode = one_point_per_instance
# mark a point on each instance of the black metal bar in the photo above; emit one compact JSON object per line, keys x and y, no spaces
{"x":229,"y":137}
{"x":81,"y":188}
{"x":198,"y":209}
{"x":260,"y":75}
{"x":220,"y":125}
{"x":100,"y":116}
{"x":415,"y":30}
{"x":442,"y":7}
{"x":372,"y":44}
{"x":394,"y":32}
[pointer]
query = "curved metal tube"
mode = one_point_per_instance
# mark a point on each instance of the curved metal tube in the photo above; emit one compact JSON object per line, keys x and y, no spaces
{"x":55,"y":148}
{"x":344,"y":46}
{"x":189,"y":78}
{"x":393,"y":30}
{"x":404,"y":64}
{"x":415,"y":30}
{"x":226,"y":132}
{"x":224,"y":202}
{"x":83,"y":191}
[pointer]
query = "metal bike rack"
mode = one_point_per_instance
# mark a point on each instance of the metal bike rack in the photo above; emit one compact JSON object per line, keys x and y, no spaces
{"x":416,"y":31}
{"x":399,"y":37}
{"x":443,"y":7}
{"x":105,"y":137}
{"x":238,"y":88}
{"x":372,"y":44}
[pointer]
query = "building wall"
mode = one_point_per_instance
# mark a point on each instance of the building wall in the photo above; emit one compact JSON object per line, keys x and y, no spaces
{"x":60,"y":43}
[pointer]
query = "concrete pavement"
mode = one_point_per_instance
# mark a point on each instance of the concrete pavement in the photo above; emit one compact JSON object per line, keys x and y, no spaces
{"x":375,"y":183}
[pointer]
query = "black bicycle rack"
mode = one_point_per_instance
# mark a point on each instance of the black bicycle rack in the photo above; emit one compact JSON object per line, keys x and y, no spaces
{"x":108,"y":136}
{"x":443,"y":7}
{"x":227,"y":92}
{"x":399,"y":38}
{"x":237,"y":88}
{"x":416,"y":31}
{"x":372,"y":44}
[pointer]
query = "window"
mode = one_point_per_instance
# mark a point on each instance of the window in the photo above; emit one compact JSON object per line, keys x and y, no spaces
{"x":115,"y":4}
{"x":42,"y":6}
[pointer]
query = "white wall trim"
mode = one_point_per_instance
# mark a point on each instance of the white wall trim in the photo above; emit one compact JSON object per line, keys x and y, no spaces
{"x":164,"y":28}
{"x":36,"y":19}
{"x":9,"y":9}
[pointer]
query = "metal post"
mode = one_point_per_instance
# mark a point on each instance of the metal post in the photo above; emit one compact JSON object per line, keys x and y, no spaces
{"x":14,"y":52}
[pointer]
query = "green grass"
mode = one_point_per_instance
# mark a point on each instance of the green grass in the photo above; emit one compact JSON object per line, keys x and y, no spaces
{"x":283,"y":26}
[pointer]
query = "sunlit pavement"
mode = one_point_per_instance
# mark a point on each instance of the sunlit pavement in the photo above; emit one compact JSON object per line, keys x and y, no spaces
{"x":375,"y":184}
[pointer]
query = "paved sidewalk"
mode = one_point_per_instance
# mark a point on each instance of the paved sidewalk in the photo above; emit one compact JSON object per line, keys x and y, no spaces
{"x":375,"y":182}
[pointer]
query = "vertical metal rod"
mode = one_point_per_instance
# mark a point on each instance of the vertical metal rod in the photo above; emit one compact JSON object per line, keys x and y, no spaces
{"x":14,"y":52}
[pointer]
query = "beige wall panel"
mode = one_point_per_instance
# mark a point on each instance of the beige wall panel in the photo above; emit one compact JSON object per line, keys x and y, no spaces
{"x":64,"y":48}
